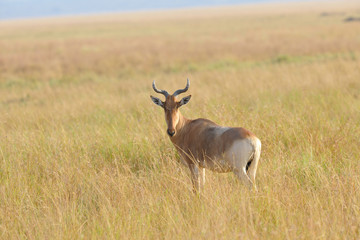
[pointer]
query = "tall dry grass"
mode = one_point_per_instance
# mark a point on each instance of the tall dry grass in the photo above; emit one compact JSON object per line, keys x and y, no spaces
{"x":84,"y":153}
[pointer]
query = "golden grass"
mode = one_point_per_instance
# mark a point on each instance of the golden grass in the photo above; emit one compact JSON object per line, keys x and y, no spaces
{"x":84,"y":153}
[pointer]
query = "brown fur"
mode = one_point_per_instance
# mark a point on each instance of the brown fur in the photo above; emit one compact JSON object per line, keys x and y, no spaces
{"x":197,"y":140}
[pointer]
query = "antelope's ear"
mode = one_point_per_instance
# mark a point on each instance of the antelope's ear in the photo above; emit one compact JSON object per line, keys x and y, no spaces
{"x":184,"y":101}
{"x":157,"y":101}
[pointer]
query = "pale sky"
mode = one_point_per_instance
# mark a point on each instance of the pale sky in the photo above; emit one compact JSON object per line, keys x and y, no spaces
{"x":11,"y":9}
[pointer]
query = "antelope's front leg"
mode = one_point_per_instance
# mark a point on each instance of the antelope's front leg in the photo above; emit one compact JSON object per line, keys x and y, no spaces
{"x":195,"y":179}
{"x":202,"y":177}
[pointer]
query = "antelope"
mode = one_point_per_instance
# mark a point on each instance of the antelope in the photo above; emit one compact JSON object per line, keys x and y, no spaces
{"x":202,"y":144}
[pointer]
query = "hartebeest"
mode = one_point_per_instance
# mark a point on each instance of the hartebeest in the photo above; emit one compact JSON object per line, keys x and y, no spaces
{"x":202,"y":143}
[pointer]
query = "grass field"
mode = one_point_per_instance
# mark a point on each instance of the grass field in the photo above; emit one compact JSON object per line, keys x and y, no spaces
{"x":84,"y":152}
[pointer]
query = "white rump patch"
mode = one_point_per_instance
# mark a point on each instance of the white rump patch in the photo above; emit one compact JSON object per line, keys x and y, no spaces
{"x":240,"y":153}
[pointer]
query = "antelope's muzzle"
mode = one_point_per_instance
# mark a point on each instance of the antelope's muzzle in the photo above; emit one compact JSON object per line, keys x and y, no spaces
{"x":171,"y":132}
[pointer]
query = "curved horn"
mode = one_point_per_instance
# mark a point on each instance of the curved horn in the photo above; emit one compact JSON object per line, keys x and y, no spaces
{"x":177,"y":92}
{"x":163,"y":92}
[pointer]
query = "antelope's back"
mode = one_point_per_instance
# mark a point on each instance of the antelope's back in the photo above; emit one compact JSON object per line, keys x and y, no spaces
{"x":207,"y":140}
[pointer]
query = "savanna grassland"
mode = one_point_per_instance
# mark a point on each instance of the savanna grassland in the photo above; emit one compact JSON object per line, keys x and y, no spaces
{"x":84,"y":152}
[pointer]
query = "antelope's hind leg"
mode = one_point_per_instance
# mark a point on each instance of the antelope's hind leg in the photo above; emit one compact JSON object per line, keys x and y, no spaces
{"x":239,"y":155}
{"x":243,"y":177}
{"x":254,"y":162}
{"x":252,"y":171}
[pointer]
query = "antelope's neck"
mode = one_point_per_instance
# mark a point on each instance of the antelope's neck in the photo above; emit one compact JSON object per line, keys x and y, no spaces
{"x":180,"y":129}
{"x":181,"y":124}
